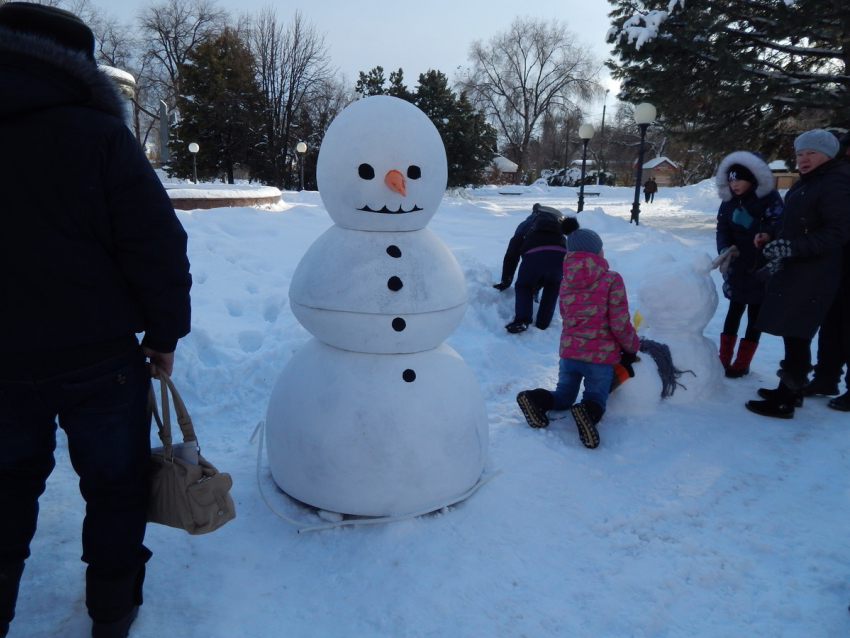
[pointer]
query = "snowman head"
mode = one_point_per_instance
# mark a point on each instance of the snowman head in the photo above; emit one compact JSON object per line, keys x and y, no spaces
{"x":677,"y":296}
{"x":382,"y":166}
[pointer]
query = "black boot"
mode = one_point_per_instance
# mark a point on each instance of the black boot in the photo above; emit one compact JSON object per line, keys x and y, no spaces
{"x":113,"y":599}
{"x":587,"y":414}
{"x":841,"y":403}
{"x":534,"y":405}
{"x":821,"y":387}
{"x":10,"y":579}
{"x":775,"y":394}
{"x":781,"y":406}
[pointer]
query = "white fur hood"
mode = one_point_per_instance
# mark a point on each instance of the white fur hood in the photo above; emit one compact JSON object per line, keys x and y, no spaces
{"x":758,"y":166}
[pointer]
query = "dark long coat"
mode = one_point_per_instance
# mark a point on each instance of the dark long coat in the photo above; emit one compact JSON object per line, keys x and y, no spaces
{"x":816,"y":221}
{"x":91,"y":251}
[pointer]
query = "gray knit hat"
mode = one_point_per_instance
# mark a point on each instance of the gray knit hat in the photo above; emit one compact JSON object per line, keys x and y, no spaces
{"x":585,"y":240}
{"x":818,"y":140}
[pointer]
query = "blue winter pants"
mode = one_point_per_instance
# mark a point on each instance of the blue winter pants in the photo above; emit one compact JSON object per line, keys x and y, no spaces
{"x":544,"y":268}
{"x":597,"y":383}
{"x":103,"y":410}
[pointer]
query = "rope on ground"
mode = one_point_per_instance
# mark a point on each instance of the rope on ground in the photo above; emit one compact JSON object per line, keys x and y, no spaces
{"x":668,"y":372}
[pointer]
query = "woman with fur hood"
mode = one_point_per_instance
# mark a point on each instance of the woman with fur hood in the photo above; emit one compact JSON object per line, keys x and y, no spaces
{"x":750,"y":205}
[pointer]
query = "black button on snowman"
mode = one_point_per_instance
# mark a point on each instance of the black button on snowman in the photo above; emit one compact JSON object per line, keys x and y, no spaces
{"x":377,"y":416}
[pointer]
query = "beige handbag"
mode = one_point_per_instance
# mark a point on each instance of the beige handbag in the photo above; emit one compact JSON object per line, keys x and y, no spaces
{"x":187,"y":492}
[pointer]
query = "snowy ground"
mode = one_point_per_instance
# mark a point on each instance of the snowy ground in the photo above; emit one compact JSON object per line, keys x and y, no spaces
{"x":690,"y":520}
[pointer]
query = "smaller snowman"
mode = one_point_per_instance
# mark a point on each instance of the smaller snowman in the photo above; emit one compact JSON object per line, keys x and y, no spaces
{"x":676,"y":300}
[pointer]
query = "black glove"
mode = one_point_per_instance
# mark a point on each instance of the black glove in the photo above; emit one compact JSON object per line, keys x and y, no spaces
{"x":777,"y":249}
{"x":502,"y":286}
{"x":626,"y":360}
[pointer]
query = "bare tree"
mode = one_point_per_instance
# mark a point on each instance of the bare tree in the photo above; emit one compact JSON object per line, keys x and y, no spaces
{"x":293,"y":69}
{"x":534,"y":68}
{"x":173,"y":28}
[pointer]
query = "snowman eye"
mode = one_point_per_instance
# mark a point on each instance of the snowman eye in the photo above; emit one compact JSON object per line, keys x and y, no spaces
{"x":414,"y":172}
{"x":366,"y":171}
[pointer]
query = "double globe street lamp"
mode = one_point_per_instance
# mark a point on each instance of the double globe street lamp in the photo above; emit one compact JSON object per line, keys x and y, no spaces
{"x":585,"y":132}
{"x":644,"y":116}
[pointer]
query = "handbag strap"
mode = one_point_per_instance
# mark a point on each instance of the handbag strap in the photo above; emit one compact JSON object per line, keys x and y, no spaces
{"x":184,"y":421}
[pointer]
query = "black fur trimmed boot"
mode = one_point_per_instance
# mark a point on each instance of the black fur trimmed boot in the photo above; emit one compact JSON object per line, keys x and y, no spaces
{"x":587,"y":414}
{"x":534,"y":405}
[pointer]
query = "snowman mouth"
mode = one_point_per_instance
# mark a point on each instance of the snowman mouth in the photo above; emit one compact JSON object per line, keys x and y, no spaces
{"x":387,"y":211}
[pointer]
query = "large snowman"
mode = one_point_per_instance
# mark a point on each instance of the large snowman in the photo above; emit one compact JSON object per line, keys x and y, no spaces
{"x":376,"y":416}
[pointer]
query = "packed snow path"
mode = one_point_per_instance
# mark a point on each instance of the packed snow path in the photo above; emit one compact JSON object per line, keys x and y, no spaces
{"x":697,"y":520}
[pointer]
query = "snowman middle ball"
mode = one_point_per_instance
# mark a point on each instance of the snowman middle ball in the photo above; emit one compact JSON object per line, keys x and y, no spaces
{"x":382,"y":166}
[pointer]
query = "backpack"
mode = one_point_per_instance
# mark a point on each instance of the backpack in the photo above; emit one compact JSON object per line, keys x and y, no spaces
{"x":546,"y":220}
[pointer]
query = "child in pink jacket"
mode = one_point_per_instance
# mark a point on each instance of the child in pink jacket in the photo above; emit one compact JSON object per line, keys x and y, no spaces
{"x":597,"y":333}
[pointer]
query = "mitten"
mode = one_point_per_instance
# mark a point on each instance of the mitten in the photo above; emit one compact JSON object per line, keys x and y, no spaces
{"x":772,"y":267}
{"x":502,"y":286}
{"x":626,"y":360}
{"x":777,"y":249}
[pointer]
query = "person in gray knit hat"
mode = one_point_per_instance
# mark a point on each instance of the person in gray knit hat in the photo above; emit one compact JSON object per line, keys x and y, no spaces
{"x":804,"y":268}
{"x":597,"y":333}
{"x":92,"y":257}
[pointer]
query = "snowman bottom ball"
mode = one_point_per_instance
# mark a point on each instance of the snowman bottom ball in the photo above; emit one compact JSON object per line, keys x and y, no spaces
{"x":376,"y":435}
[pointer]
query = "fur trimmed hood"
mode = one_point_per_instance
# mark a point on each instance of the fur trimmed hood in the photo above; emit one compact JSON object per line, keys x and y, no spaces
{"x":37,"y":73}
{"x":758,"y":166}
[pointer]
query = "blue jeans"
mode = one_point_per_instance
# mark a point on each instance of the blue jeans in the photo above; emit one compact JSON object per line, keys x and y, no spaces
{"x":597,"y":383}
{"x":103,"y":410}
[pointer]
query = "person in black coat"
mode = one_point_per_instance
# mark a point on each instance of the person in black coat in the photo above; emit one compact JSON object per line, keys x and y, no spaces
{"x":92,"y":254}
{"x":750,"y":205}
{"x":804,"y":257}
{"x":834,"y":335}
{"x":539,"y":244}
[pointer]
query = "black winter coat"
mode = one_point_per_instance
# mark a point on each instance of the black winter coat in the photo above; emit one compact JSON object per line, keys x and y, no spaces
{"x":525,"y":238}
{"x":91,"y":251}
{"x":739,"y":220}
{"x":817,"y":223}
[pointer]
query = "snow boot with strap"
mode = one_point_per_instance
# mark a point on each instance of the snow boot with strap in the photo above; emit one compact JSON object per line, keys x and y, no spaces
{"x":587,"y":414}
{"x":781,"y":406}
{"x":727,"y":348}
{"x":534,"y":405}
{"x":741,"y":366}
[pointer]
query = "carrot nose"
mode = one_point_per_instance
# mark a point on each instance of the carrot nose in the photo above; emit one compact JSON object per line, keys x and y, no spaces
{"x":395,"y":181}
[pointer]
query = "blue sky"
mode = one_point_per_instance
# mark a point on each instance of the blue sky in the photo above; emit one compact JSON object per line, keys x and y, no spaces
{"x":417,"y":36}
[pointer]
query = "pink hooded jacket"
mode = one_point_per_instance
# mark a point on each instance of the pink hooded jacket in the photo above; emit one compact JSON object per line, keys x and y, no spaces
{"x":595,"y":311}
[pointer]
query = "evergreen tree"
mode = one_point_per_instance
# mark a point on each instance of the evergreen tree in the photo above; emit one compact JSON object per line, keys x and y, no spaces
{"x":372,"y":83}
{"x":468,"y":137}
{"x":219,"y":108}
{"x":735,"y":73}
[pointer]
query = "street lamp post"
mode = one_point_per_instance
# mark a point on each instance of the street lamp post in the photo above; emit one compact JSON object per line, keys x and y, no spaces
{"x":301,"y":147}
{"x":644,"y":116}
{"x":602,"y":141}
{"x":585,"y":132}
{"x":193,"y":149}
